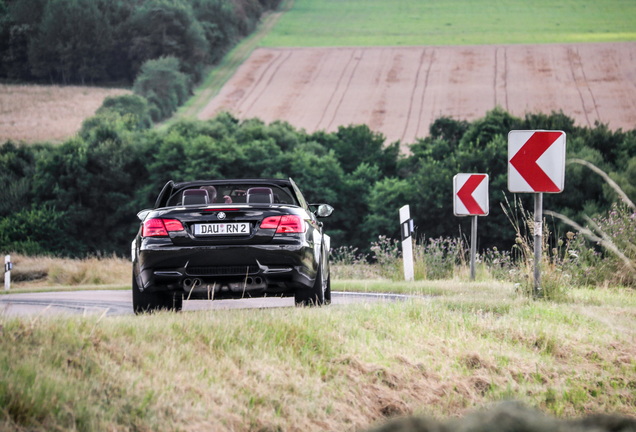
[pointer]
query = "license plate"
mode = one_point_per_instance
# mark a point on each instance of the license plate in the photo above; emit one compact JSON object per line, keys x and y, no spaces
{"x":239,"y":228}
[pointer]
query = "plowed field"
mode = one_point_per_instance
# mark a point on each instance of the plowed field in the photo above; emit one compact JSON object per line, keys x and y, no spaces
{"x":399,"y":91}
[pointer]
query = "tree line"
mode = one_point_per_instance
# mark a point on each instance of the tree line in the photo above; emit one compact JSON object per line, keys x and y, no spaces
{"x":97,"y":41}
{"x":114,"y":42}
{"x":81,"y":197}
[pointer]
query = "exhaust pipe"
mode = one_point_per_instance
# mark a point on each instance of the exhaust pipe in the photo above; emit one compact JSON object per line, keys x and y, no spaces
{"x":249,"y":281}
{"x":258,"y":280}
{"x":191,"y":283}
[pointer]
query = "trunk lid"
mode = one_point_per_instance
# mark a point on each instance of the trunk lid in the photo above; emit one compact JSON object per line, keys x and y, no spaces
{"x":215,"y":225}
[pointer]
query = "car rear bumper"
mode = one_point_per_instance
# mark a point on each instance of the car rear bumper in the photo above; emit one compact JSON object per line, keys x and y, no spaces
{"x":226,"y":271}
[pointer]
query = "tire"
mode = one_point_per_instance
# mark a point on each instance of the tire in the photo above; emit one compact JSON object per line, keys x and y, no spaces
{"x":146,"y":302}
{"x":328,"y":290}
{"x":315,"y":296}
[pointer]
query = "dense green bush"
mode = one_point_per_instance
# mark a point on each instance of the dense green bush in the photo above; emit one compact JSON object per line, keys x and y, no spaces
{"x":38,"y":230}
{"x":163,"y":85}
{"x":93,"y":41}
{"x":133,"y":106}
{"x":17,"y":170}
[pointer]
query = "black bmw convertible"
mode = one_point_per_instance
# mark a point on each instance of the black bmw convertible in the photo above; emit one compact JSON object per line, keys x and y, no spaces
{"x":228,"y":239}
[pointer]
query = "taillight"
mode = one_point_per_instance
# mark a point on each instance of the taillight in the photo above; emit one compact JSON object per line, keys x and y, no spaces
{"x":284,"y":224}
{"x":154,"y":228}
{"x":291,"y":224}
{"x":160,"y":227}
{"x":270,"y":222}
{"x":173,"y":225}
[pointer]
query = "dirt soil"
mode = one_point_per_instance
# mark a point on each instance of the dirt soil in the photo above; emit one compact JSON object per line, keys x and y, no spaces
{"x":399,"y":91}
{"x":34,"y":113}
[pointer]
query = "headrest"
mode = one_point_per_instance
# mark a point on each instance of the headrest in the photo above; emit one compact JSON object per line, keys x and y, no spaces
{"x":260,"y":195}
{"x":195,"y":196}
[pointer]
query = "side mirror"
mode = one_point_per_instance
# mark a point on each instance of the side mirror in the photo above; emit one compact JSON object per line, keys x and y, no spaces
{"x":142,"y":214}
{"x":324,"y":210}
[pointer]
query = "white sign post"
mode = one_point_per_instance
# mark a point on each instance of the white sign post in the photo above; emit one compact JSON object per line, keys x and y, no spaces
{"x":7,"y":272}
{"x":406,"y":230}
{"x":470,"y":198}
{"x":536,"y":164}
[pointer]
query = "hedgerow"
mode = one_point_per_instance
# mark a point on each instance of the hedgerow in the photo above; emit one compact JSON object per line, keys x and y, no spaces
{"x":101,"y":178}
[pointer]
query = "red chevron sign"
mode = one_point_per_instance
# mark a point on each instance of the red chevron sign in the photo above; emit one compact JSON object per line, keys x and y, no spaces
{"x":471,"y":194}
{"x":536,"y":161}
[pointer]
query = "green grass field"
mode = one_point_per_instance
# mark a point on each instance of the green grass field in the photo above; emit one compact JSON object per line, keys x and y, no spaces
{"x":334,"y":368}
{"x":452,"y":22}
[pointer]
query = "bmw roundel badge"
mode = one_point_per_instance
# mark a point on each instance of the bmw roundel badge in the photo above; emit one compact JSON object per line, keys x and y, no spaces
{"x":221,"y":215}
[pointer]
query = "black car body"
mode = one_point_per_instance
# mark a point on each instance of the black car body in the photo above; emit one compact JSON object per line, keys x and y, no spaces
{"x":220,"y":239}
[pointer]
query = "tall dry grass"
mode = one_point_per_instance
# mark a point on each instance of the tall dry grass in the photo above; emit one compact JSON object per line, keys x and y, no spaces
{"x":442,"y":258}
{"x":37,"y":113}
{"x":614,"y":232}
{"x":48,"y":271}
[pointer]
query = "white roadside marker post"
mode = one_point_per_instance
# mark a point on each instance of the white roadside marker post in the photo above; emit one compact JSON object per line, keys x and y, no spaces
{"x":7,"y":272}
{"x":406,"y":230}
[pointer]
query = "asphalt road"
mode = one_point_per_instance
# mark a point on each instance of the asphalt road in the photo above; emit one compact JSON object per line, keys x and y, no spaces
{"x":120,"y":302}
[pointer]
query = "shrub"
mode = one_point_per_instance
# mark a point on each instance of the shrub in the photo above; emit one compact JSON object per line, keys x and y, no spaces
{"x":616,"y":232}
{"x":36,"y":231}
{"x":348,"y":263}
{"x":619,"y":227}
{"x":582,"y":263}
{"x":164,"y":86}
{"x":553,"y":284}
{"x":439,"y":257}
{"x":499,"y":264}
{"x":129,"y":105}
{"x":387,"y":254}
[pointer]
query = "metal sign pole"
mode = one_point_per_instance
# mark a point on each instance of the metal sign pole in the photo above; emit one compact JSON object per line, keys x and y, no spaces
{"x":7,"y":272}
{"x":473,"y":247}
{"x":538,"y":242}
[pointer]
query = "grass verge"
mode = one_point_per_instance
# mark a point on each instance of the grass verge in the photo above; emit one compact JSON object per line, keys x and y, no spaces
{"x":332,"y":368}
{"x":419,"y":288}
{"x":459,"y":22}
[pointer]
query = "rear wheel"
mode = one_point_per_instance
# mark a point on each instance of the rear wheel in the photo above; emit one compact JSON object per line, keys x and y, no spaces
{"x":147,"y":302}
{"x":315,"y":296}
{"x":328,"y":290}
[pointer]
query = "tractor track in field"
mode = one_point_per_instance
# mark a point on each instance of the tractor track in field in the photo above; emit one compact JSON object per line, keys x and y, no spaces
{"x":499,"y":82}
{"x":572,"y":56}
{"x":344,"y":92}
{"x":421,"y":98}
{"x":256,"y":85}
{"x":335,"y":90}
{"x":271,"y":78}
{"x":415,"y":82}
